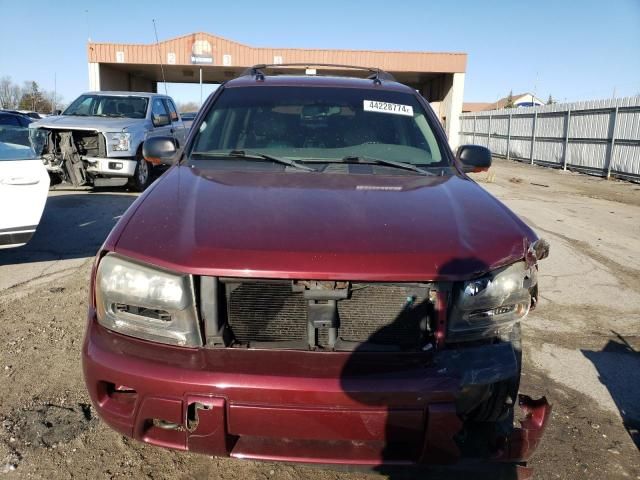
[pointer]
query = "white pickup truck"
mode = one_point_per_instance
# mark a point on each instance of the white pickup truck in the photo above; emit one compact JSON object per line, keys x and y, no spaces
{"x":100,"y":135}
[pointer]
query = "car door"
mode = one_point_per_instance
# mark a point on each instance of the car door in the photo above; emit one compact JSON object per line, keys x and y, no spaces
{"x":179,"y":131}
{"x":24,"y":186}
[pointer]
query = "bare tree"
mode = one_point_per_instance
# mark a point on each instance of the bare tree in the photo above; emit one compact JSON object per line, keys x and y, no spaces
{"x":188,"y":107}
{"x":10,"y":93}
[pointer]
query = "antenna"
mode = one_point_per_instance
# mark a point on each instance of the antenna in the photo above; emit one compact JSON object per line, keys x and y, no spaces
{"x":164,"y":80}
{"x":86,"y":13}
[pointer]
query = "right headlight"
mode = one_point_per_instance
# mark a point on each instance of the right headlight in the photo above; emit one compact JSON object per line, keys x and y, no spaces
{"x":485,"y":306}
{"x":146,"y":302}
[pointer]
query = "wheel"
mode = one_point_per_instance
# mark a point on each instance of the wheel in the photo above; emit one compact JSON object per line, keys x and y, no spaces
{"x":503,"y":395}
{"x":54,"y":179}
{"x":141,"y":176}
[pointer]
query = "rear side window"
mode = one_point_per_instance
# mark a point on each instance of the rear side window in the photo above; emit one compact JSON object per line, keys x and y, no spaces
{"x":173,"y":113}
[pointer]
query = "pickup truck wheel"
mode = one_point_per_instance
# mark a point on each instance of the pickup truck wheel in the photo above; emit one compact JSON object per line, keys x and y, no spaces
{"x":141,"y":176}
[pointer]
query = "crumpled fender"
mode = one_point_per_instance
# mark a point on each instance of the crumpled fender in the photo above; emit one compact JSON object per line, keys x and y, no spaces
{"x":523,"y":441}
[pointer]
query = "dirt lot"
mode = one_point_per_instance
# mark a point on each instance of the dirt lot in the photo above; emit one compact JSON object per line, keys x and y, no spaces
{"x":581,"y":345}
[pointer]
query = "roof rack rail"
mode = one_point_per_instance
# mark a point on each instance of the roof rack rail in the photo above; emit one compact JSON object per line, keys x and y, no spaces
{"x":376,"y":74}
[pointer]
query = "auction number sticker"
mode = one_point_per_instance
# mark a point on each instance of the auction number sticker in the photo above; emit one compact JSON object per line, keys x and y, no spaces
{"x":386,"y":107}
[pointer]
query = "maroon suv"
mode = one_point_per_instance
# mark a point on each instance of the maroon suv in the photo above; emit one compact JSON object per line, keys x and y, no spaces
{"x":316,"y":279}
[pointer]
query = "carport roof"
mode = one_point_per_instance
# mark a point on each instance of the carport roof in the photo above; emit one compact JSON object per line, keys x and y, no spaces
{"x":207,"y":50}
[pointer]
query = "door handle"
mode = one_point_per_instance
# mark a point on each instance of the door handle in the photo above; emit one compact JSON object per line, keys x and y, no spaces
{"x":19,"y":181}
{"x":171,"y":130}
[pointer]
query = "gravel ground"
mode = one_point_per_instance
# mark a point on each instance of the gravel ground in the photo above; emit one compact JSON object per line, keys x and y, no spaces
{"x":581,"y":345}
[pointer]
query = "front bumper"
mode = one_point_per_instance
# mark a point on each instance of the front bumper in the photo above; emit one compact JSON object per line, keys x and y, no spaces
{"x":107,"y":167}
{"x":294,"y":406}
{"x":111,"y":167}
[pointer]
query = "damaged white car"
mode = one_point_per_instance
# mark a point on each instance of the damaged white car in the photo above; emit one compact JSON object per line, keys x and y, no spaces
{"x":100,"y":135}
{"x":24,"y":184}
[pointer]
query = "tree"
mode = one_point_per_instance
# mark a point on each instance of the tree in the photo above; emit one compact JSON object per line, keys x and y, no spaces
{"x":188,"y":107}
{"x":9,"y":93}
{"x":509,"y":103}
{"x":33,"y":99}
{"x":550,"y":100}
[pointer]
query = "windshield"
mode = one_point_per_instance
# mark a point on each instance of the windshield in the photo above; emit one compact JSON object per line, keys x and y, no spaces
{"x":108,"y":106}
{"x":20,"y":143}
{"x":315,"y":124}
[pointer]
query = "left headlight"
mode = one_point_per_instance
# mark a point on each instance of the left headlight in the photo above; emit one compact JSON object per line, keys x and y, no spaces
{"x":146,"y":302}
{"x":485,"y":306}
{"x":119,"y":142}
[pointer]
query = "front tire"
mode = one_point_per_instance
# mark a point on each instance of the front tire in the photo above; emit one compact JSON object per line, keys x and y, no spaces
{"x":141,"y":177}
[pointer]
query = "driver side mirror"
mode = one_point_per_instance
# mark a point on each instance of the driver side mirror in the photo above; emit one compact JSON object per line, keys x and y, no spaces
{"x":474,"y":158}
{"x":159,"y":150}
{"x":57,"y":112}
{"x":160,"y":120}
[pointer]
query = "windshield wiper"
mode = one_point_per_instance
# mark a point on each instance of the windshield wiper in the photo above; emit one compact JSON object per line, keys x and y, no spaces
{"x":258,"y":156}
{"x":372,"y":160}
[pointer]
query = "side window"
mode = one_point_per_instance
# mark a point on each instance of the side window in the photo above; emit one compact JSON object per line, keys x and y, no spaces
{"x":159,"y":113}
{"x":84,"y":108}
{"x":9,"y":120}
{"x":173,"y":113}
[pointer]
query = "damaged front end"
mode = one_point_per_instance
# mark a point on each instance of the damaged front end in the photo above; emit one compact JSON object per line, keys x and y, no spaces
{"x":69,"y":155}
{"x":79,"y":157}
{"x":342,"y":372}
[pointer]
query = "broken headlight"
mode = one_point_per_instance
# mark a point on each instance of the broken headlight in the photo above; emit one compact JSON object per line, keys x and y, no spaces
{"x":146,"y":302}
{"x":486,"y":306}
{"x":119,"y":142}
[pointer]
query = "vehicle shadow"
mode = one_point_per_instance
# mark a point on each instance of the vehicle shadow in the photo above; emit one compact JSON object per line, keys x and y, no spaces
{"x":405,"y":443}
{"x":618,"y":365}
{"x":73,"y":225}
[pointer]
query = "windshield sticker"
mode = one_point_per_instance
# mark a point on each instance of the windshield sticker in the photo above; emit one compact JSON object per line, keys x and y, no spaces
{"x":386,"y":107}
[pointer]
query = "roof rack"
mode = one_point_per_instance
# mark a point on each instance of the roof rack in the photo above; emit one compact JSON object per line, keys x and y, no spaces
{"x":376,"y":74}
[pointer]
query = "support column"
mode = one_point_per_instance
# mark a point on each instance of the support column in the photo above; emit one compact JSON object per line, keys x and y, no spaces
{"x":94,"y":76}
{"x":451,"y":108}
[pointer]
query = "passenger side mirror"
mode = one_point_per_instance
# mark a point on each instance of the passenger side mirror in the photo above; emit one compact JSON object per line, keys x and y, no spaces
{"x":160,"y":120}
{"x":159,"y":150}
{"x":57,"y":112}
{"x":474,"y":158}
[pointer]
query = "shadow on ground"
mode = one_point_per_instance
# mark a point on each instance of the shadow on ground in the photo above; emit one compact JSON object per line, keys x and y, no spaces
{"x":618,"y":365}
{"x":73,"y":225}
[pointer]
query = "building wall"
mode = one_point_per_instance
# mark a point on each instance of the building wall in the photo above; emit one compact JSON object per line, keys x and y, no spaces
{"x":178,"y":51}
{"x":104,"y":78}
{"x":445,"y":93}
{"x":528,"y":98}
{"x":112,"y":79}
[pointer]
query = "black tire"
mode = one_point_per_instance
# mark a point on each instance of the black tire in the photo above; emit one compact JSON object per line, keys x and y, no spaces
{"x":141,"y":177}
{"x":54,"y":179}
{"x":503,"y":397}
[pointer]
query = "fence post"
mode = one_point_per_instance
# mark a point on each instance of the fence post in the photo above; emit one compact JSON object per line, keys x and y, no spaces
{"x":489,"y":134}
{"x":474,"y":128}
{"x":565,"y":153}
{"x":509,"y":136}
{"x":533,"y":135}
{"x":613,"y":143}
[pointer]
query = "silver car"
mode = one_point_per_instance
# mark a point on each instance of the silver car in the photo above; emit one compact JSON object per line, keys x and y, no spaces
{"x":100,"y":135}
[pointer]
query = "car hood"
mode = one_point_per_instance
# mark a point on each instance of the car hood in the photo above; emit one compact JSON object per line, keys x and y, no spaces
{"x":321,"y":226}
{"x":100,"y":124}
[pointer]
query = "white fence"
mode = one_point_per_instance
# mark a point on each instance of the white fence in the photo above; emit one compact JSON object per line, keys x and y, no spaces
{"x":600,"y":137}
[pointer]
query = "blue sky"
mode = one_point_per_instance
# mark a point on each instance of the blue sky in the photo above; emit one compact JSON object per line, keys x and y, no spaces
{"x":572,"y":50}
